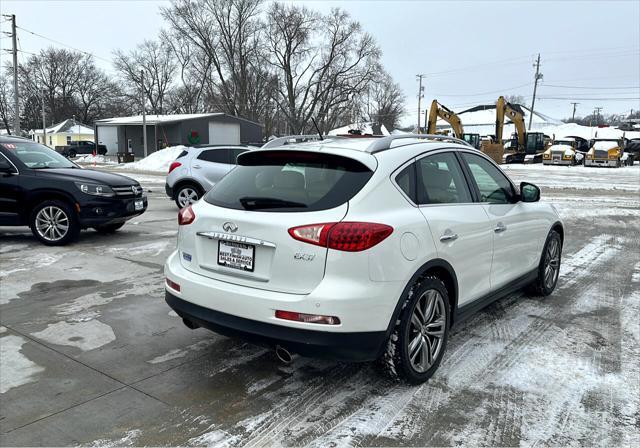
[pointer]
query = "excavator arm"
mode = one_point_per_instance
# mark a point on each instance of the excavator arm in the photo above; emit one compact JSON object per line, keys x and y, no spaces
{"x":504,"y":108}
{"x":439,"y":111}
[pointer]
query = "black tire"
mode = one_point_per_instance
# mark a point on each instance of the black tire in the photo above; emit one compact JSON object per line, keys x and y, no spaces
{"x":110,"y":228}
{"x":71,"y":153}
{"x":48,"y":220}
{"x":544,"y":286}
{"x":397,"y":360}
{"x":186,"y":189}
{"x":102,"y":152}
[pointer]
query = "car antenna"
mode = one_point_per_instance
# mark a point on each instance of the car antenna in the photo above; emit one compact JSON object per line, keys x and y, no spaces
{"x":317,"y":128}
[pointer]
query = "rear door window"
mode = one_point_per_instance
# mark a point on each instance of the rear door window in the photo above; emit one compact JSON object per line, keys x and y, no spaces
{"x":215,"y":155}
{"x":289,"y":181}
{"x":441,"y":180}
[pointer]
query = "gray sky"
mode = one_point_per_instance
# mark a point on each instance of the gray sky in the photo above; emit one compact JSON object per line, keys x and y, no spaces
{"x":471,"y":51}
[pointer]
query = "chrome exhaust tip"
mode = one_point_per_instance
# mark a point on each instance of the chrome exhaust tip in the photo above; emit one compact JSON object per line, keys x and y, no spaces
{"x":284,"y":355}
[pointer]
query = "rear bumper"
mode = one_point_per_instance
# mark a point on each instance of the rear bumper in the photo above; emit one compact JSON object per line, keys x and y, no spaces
{"x":362,"y":346}
{"x":168,"y":190}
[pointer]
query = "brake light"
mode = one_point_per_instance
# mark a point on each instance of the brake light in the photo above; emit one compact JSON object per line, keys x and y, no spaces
{"x":186,"y":216}
{"x":174,"y":165}
{"x":345,"y":236}
{"x":309,"y":318}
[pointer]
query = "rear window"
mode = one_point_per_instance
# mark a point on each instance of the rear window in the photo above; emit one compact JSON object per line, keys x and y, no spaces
{"x":289,"y":181}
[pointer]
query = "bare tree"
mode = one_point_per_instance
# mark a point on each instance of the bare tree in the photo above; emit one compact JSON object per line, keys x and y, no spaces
{"x":322,"y":63}
{"x":386,"y":101}
{"x":155,"y":60}
{"x":6,"y":103}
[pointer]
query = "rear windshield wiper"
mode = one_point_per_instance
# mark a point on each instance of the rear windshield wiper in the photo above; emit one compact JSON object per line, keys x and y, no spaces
{"x":254,"y":202}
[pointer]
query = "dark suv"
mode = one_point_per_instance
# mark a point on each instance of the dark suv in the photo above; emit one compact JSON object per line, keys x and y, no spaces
{"x":83,"y":147}
{"x":56,"y":198}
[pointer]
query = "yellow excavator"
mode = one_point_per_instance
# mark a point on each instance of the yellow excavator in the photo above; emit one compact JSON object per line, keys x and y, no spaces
{"x":439,"y":111}
{"x":526,"y":143}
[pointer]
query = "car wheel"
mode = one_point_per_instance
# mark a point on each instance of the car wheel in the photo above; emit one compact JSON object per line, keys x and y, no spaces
{"x":102,"y":152}
{"x":417,"y":344}
{"x":549,"y":268}
{"x":72,"y":154}
{"x":54,"y":223}
{"x":109,"y":228}
{"x":186,"y":194}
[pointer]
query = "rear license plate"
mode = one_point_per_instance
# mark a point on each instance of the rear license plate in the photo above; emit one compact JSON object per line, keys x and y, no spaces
{"x":236,"y":255}
{"x":138,"y":205}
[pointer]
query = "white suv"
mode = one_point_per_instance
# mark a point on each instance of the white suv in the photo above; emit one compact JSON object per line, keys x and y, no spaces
{"x":360,"y":249}
{"x":197,"y":169}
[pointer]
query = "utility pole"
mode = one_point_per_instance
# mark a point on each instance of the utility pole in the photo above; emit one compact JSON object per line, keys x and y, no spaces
{"x":596,"y":112}
{"x":144,"y":115}
{"x":573,"y":116}
{"x":535,"y":88}
{"x":16,"y":97}
{"x":420,"y":95}
{"x":44,"y":123}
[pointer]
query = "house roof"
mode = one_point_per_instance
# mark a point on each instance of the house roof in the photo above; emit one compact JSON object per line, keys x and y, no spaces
{"x":162,"y":119}
{"x":68,"y":126}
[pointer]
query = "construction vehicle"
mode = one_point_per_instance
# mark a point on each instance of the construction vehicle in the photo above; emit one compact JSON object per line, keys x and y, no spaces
{"x":526,"y":143}
{"x":568,"y":150}
{"x":605,"y":152}
{"x":440,"y":111}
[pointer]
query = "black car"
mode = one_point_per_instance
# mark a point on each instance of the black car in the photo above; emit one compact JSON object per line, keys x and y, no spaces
{"x":83,"y":147}
{"x":56,"y":198}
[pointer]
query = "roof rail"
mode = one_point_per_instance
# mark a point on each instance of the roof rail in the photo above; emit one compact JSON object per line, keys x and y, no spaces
{"x":385,"y":142}
{"x":281,"y":141}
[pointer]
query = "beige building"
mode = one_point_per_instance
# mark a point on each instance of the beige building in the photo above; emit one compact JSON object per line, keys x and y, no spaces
{"x":63,"y":133}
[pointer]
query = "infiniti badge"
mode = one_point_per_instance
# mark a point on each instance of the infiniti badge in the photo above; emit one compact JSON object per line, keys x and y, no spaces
{"x":229,"y":227}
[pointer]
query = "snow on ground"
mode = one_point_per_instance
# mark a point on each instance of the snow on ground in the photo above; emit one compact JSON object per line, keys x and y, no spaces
{"x":577,"y":177}
{"x":91,"y":159}
{"x":158,"y":161}
{"x":17,"y":369}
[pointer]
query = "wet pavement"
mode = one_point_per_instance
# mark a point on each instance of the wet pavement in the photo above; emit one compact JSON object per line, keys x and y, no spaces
{"x":92,"y":355}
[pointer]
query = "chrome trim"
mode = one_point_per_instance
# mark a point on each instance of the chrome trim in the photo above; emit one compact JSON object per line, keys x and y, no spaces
{"x":236,"y":238}
{"x":12,"y":164}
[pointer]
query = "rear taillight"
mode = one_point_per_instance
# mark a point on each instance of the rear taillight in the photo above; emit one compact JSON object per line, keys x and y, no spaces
{"x":308,"y":318}
{"x":174,"y":165}
{"x":345,"y":236}
{"x":186,"y":216}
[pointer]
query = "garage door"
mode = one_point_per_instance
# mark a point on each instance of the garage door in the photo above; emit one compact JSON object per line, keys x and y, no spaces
{"x":108,"y":136}
{"x":224,"y":133}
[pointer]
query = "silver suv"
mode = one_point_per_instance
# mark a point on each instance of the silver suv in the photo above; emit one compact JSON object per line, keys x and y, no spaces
{"x":197,"y":169}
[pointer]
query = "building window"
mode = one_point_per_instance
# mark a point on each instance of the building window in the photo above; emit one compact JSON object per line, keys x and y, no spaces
{"x":50,"y":141}
{"x":68,"y":139}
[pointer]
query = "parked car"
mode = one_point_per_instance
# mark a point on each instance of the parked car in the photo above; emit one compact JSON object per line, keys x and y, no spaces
{"x":82,"y":147}
{"x":56,"y":198}
{"x":197,"y":169}
{"x":360,"y":249}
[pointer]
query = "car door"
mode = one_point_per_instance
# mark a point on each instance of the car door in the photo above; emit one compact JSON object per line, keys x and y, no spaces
{"x":459,"y":226}
{"x":516,"y":230}
{"x":10,"y":193}
{"x":211,"y":165}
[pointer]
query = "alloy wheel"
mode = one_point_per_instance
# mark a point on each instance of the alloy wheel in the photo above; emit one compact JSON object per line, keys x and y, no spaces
{"x":426,"y":330}
{"x":187,"y":196}
{"x":552,"y":263}
{"x":52,"y":223}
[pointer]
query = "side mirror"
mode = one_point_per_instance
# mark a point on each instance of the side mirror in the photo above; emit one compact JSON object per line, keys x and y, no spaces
{"x":6,"y":167}
{"x":529,"y":192}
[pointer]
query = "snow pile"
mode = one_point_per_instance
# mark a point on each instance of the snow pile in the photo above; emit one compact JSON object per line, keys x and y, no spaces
{"x":90,"y":158}
{"x":365,"y":128}
{"x":604,"y":146}
{"x":158,"y":161}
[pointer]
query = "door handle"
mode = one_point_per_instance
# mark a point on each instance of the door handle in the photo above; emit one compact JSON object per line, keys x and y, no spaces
{"x":500,"y":228}
{"x":196,"y":167}
{"x":449,"y":237}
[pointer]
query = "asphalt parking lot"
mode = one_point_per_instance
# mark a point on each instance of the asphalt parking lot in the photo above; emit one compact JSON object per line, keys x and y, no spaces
{"x":92,"y":355}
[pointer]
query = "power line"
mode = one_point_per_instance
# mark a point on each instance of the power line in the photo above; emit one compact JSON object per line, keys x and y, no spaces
{"x":65,"y":45}
{"x":486,"y":93}
{"x":591,"y":88}
{"x":565,"y":98}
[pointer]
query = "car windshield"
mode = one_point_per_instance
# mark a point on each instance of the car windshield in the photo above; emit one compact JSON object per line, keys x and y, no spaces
{"x":37,"y":156}
{"x":289,"y":181}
